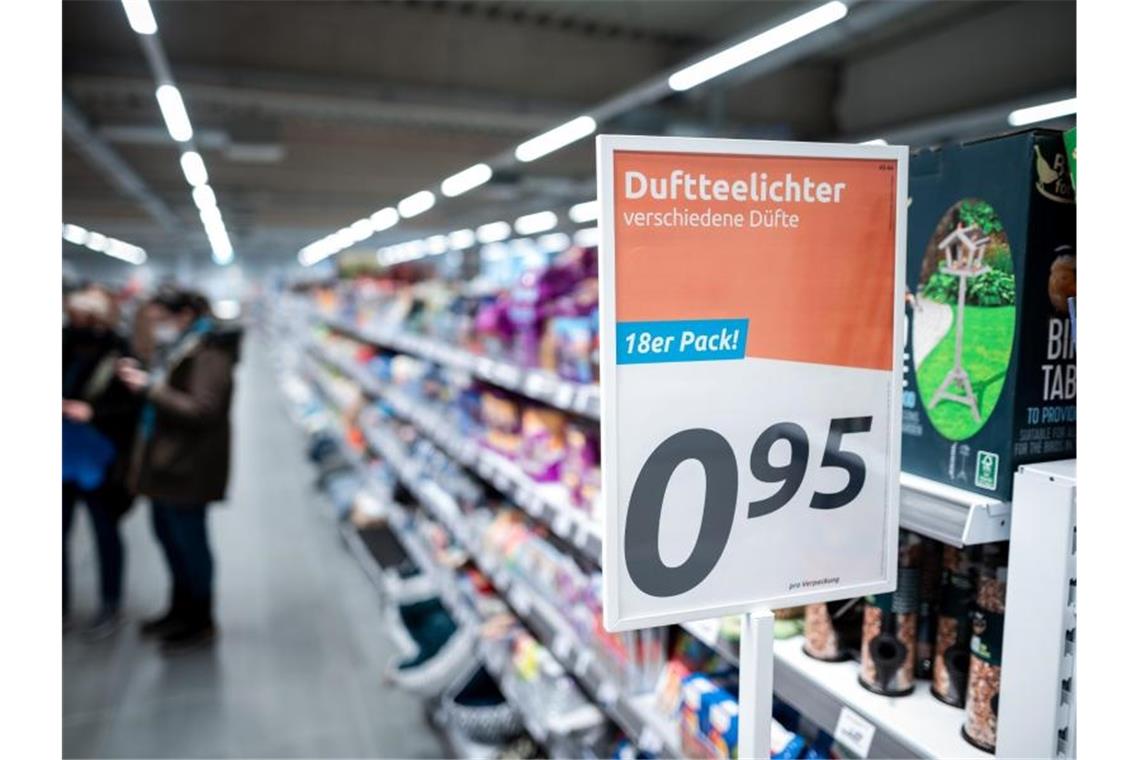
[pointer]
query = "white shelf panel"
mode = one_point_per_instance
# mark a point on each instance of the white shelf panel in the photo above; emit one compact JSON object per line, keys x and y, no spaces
{"x":917,"y":725}
{"x":951,"y":515}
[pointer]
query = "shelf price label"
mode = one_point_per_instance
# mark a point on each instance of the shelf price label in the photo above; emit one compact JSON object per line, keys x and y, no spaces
{"x":751,"y":320}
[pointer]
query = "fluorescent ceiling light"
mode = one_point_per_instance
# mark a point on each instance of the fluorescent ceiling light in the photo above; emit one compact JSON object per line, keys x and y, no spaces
{"x":492,"y":232}
{"x":416,"y":203}
{"x":753,"y":48}
{"x":461,"y":239}
{"x":468,"y":179}
{"x":587,"y":237}
{"x":204,"y":197}
{"x":73,"y":233}
{"x":211,"y":217}
{"x":174,"y":112}
{"x":361,"y":230}
{"x":537,"y":222}
{"x":384,"y":219}
{"x":559,"y":137}
{"x":876,"y":141}
{"x":584,"y":212}
{"x":131,"y":254}
{"x":223,"y":251}
{"x":97,"y":241}
{"x":1043,"y":112}
{"x":343,"y":238}
{"x":554,"y":242}
{"x":193,"y":168}
{"x":437,"y":244}
{"x":140,"y":16}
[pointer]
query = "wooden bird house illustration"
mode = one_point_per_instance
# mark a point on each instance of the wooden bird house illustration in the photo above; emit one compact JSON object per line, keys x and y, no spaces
{"x":964,"y":252}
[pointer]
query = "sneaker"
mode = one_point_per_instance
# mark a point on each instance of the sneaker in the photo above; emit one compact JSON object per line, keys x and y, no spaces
{"x":160,"y":626}
{"x":105,"y":624}
{"x":189,"y":637}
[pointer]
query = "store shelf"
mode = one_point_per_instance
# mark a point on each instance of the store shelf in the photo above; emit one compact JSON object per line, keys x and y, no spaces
{"x":547,"y":503}
{"x":633,"y":713}
{"x":951,"y":515}
{"x":917,"y":725}
{"x":540,"y":385}
{"x":913,"y":726}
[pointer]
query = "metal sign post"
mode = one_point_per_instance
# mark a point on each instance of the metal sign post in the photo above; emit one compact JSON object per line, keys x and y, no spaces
{"x":756,"y":657}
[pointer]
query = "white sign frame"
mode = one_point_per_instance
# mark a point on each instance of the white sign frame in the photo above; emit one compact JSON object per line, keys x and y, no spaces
{"x":606,"y":146}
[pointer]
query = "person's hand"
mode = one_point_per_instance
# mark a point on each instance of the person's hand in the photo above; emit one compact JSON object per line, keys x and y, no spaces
{"x":129,"y":373}
{"x":77,"y":411}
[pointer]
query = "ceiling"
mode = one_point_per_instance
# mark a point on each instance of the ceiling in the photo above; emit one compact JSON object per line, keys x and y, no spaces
{"x":310,"y":115}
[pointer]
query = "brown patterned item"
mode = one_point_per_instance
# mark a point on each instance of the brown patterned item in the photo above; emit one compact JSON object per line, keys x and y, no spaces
{"x":987,"y":623}
{"x":952,"y":650}
{"x":890,"y":628}
{"x":832,"y":630}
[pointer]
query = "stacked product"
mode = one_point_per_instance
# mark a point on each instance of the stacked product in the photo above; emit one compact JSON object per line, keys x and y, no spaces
{"x":890,"y":628}
{"x":990,"y":369}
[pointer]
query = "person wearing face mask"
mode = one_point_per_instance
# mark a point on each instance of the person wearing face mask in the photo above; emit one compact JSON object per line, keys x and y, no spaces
{"x":100,"y":416}
{"x":182,"y":456}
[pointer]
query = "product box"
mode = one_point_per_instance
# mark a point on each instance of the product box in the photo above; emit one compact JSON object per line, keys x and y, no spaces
{"x":990,"y":366}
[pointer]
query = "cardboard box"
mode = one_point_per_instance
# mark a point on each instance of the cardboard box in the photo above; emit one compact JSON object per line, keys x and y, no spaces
{"x":991,"y":384}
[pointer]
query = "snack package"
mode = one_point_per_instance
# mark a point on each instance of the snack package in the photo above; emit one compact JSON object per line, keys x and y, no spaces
{"x":581,"y":468}
{"x":543,"y":444}
{"x":502,"y":420}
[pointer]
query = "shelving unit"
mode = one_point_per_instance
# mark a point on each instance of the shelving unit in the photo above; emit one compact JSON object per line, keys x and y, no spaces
{"x":546,"y":503}
{"x":537,"y":384}
{"x":913,"y":726}
{"x":634,"y":713}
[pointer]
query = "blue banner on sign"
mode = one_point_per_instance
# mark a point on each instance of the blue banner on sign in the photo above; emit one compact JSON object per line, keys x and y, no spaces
{"x":687,"y":340}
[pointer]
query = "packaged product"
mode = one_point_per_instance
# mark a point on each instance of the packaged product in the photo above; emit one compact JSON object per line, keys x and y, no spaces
{"x":987,"y":623}
{"x":543,"y":443}
{"x":832,"y":630}
{"x":890,"y":628}
{"x":501,"y":417}
{"x":990,"y":368}
{"x":581,"y":468}
{"x":952,"y":649}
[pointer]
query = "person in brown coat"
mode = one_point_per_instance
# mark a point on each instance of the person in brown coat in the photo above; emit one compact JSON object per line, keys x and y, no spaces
{"x":182,"y":456}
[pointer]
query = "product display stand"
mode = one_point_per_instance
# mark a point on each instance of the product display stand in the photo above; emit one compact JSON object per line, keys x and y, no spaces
{"x":756,"y":661}
{"x":1038,"y":691}
{"x":964,"y":252}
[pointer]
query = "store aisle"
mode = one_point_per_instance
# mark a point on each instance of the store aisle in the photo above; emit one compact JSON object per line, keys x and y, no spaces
{"x":296,"y":670}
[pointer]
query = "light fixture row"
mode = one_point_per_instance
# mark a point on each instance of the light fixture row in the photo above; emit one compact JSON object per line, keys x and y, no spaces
{"x":491,"y":232}
{"x":494,"y":246}
{"x":584,"y":125}
{"x":101,"y":243}
{"x":177,"y":120}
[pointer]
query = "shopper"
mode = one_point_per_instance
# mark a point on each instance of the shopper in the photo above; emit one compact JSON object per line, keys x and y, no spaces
{"x":100,"y":416}
{"x":182,"y":457}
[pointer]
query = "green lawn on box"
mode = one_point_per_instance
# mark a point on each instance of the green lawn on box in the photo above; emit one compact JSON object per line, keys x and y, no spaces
{"x":986,"y":348}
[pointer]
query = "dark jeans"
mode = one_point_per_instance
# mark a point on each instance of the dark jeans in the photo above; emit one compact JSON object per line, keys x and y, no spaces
{"x":181,"y":531}
{"x":104,"y":509}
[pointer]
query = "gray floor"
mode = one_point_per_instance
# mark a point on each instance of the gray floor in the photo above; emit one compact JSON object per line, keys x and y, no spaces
{"x":296,"y":671}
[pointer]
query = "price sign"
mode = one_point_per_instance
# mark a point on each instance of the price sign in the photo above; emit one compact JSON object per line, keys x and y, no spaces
{"x":751,"y":320}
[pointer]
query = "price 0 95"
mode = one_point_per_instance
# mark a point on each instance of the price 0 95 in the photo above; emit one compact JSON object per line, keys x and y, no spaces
{"x":715,"y":455}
